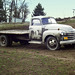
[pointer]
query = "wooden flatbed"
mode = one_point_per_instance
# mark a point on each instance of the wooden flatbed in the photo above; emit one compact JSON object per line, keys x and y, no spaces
{"x":14,"y":32}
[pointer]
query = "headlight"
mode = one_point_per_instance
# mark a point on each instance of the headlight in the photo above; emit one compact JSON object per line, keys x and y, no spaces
{"x":62,"y":33}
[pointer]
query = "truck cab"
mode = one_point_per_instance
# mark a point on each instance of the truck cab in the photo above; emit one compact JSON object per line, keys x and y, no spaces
{"x":37,"y":26}
{"x":47,"y":31}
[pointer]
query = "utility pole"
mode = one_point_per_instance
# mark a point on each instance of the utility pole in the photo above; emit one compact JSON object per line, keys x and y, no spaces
{"x":73,"y":12}
{"x":15,"y":10}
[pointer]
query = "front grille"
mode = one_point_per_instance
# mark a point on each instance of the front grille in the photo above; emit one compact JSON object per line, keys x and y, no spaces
{"x":71,"y":36}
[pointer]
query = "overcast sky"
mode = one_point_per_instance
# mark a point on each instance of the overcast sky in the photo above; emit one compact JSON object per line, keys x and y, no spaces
{"x":54,"y":8}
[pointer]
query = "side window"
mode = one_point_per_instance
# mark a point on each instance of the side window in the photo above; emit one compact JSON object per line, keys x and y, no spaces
{"x":36,"y":22}
{"x":45,"y":21}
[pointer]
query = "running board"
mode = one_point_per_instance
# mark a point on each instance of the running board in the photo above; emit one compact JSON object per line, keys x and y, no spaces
{"x":35,"y":42}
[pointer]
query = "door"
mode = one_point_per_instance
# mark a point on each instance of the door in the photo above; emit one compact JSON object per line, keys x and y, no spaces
{"x":35,"y":29}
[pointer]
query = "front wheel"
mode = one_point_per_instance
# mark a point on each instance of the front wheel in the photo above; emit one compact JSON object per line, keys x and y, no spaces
{"x":52,"y":43}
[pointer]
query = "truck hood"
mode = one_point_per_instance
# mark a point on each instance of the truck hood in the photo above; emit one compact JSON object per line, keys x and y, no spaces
{"x":63,"y":27}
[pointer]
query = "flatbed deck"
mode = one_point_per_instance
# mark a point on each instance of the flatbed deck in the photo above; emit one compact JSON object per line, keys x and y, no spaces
{"x":14,"y":32}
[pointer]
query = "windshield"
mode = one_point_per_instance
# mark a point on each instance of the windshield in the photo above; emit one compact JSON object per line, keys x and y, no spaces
{"x":48,"y":20}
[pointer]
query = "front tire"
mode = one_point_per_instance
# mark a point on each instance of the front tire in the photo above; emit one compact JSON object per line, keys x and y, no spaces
{"x":5,"y":41}
{"x":52,"y":43}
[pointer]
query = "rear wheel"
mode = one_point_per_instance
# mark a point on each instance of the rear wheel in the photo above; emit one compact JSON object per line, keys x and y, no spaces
{"x":5,"y":41}
{"x":52,"y":43}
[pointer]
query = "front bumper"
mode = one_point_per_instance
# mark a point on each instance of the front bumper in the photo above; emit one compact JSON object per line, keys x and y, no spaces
{"x":67,"y":42}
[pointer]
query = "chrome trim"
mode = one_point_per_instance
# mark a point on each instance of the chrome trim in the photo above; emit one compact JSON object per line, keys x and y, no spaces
{"x":68,"y":42}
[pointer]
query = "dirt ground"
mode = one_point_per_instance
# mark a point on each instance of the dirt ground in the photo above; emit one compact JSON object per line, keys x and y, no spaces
{"x":64,"y":53}
{"x":36,"y":59}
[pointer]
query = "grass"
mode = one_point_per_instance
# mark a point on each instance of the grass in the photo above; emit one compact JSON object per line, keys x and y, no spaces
{"x":24,"y":26}
{"x":5,"y":26}
{"x":23,"y":61}
{"x":68,"y":22}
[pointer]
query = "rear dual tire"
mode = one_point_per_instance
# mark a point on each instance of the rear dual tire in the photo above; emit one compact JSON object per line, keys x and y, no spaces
{"x":5,"y":41}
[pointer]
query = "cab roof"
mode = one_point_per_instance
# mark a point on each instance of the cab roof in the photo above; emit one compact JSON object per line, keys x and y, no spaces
{"x":40,"y":17}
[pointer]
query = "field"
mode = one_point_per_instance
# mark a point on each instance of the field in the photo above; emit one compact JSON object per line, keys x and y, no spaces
{"x":68,"y":22}
{"x":8,"y":26}
{"x":35,"y":59}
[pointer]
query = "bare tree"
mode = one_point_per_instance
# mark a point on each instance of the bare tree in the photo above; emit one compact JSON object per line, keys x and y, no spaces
{"x":5,"y":3}
{"x":24,"y":10}
{"x":12,"y":6}
{"x":16,"y":9}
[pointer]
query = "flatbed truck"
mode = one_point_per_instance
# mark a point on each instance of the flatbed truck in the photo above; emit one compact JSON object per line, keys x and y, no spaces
{"x":42,"y":30}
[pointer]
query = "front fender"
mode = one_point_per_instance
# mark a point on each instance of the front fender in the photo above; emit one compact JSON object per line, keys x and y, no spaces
{"x":54,"y":33}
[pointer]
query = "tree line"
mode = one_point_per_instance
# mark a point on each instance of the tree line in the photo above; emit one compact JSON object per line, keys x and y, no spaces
{"x":17,"y":9}
{"x":13,"y":8}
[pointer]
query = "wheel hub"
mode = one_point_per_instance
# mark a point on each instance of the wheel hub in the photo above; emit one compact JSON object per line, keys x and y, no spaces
{"x":3,"y":40}
{"x":52,"y":42}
